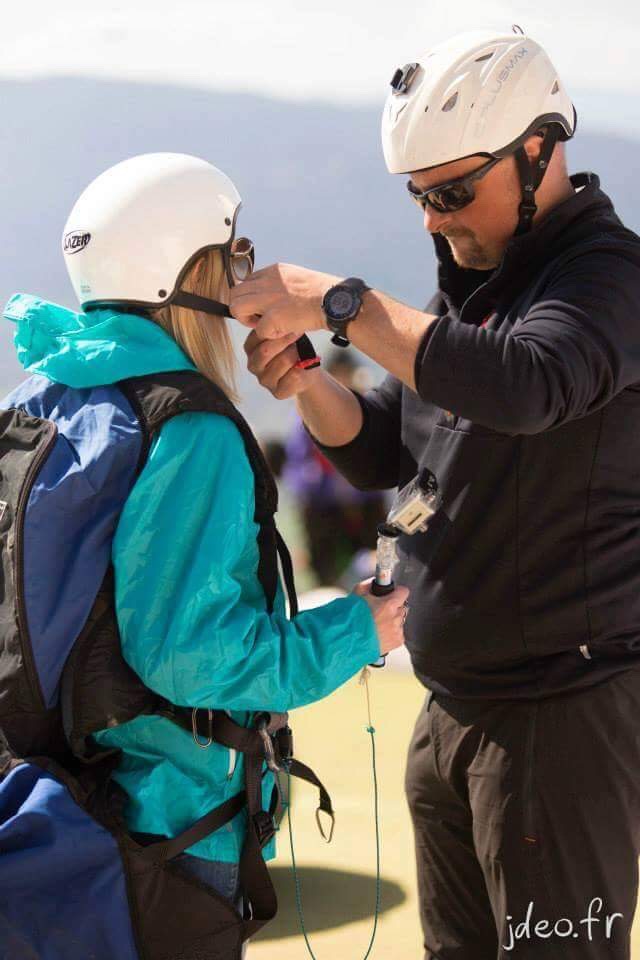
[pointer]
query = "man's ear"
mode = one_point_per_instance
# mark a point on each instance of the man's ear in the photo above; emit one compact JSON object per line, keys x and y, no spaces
{"x":533,"y":144}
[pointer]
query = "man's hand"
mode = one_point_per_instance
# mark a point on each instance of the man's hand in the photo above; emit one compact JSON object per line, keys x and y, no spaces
{"x":281,"y":299}
{"x":273,"y":363}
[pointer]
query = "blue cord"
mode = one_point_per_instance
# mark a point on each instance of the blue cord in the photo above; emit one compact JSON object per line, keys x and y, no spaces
{"x":371,"y":731}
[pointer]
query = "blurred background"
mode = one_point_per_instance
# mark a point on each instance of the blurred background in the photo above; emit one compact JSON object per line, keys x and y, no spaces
{"x":286,"y":98}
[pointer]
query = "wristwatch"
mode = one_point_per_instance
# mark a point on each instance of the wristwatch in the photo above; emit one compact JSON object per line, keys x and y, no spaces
{"x":341,"y":305}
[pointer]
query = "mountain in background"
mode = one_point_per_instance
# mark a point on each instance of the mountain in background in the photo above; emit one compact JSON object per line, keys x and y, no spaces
{"x":314,"y":186}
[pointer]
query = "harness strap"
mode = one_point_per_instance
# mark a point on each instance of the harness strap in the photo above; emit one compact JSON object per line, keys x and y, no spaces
{"x":303,"y":772}
{"x":222,"y":729}
{"x":170,"y":847}
{"x":287,"y":573}
{"x":254,"y":876}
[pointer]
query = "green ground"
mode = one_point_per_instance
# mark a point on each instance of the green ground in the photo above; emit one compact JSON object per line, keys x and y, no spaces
{"x":338,"y":880}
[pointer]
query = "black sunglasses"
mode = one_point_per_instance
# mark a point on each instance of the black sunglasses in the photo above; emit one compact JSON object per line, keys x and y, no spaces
{"x":451,"y":196}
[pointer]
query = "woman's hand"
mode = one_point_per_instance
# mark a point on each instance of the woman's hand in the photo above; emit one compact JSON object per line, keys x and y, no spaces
{"x":389,"y":614}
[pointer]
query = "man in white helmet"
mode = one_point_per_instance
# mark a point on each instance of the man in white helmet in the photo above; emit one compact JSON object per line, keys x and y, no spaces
{"x":518,"y":388}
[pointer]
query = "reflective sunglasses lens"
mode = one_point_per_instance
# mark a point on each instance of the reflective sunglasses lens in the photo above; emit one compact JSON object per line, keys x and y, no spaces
{"x":451,"y":198}
{"x":242,"y":258}
{"x":241,"y":267}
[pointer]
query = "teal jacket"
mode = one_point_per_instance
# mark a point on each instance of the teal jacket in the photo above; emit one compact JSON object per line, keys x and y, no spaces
{"x":190,"y":608}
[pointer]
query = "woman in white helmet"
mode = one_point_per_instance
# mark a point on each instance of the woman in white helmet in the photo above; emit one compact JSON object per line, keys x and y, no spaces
{"x":151,"y":251}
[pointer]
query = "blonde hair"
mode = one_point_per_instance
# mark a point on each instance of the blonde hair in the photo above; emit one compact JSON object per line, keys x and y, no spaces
{"x":204,"y":338}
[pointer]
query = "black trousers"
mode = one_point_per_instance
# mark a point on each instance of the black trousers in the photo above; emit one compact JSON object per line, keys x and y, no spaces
{"x":527,"y":824}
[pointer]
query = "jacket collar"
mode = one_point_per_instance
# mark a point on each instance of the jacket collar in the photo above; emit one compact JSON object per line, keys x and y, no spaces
{"x":563,"y":226}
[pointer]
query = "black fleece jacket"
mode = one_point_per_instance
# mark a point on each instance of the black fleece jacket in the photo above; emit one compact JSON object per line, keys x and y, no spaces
{"x":527,"y":410}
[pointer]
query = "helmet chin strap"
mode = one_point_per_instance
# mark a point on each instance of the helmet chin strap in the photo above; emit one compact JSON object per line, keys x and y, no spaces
{"x":193,"y":302}
{"x":531,"y":177}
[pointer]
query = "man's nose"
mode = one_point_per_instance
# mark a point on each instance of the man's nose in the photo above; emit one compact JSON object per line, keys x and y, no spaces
{"x":433,"y":220}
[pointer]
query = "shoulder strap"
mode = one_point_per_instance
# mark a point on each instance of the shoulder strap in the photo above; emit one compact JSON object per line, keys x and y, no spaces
{"x":160,"y":396}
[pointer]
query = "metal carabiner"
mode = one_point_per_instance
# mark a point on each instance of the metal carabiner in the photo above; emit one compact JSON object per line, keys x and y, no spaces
{"x":194,"y":727}
{"x":269,"y":752}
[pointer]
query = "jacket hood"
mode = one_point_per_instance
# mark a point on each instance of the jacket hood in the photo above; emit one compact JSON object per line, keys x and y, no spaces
{"x":89,"y":349}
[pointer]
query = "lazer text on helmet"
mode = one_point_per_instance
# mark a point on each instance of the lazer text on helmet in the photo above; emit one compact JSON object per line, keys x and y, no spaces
{"x":76,"y":241}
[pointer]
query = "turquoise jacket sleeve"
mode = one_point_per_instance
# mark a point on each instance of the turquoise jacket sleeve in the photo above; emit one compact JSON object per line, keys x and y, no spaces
{"x":191,"y":610}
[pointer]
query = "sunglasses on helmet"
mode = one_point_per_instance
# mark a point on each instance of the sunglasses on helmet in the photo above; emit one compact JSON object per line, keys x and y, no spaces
{"x":451,"y":196}
{"x":240,"y":260}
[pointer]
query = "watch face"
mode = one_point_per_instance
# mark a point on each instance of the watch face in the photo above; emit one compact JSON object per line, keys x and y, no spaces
{"x":342,"y":303}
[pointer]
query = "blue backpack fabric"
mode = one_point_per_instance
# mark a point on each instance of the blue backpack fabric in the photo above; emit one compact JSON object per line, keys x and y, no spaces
{"x":73,"y":884}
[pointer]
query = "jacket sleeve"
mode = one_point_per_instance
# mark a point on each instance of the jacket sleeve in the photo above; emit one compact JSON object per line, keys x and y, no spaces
{"x":191,"y":610}
{"x":371,"y":460}
{"x":575,"y":349}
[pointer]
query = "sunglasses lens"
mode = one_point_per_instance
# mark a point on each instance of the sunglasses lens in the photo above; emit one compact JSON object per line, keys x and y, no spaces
{"x":454,"y":197}
{"x":242,"y":258}
{"x":241,"y":267}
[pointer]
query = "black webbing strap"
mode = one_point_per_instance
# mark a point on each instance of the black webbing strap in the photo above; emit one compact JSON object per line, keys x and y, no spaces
{"x":216,"y":818}
{"x":254,"y":876}
{"x":193,"y":302}
{"x":287,"y":573}
{"x":221,"y":727}
{"x":303,"y":772}
{"x":531,"y":178}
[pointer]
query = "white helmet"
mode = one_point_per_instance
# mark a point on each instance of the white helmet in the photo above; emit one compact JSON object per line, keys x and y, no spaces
{"x":136,"y":229}
{"x":477,"y":93}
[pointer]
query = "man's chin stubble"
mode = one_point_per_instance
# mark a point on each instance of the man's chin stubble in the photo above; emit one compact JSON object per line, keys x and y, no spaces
{"x":472,"y":259}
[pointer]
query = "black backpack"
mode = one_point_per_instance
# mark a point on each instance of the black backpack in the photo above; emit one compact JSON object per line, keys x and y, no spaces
{"x":63,"y":840}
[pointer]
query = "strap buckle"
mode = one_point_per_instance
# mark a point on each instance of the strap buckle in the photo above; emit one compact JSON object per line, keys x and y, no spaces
{"x":284,"y":738}
{"x":194,"y":728}
{"x":264,"y":826}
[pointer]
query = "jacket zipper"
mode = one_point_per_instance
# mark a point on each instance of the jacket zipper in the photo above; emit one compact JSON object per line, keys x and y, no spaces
{"x":23,"y":628}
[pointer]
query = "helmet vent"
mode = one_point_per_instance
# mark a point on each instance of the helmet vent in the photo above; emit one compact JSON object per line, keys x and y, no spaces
{"x":486,"y":56}
{"x":555,"y":87}
{"x":451,"y":102}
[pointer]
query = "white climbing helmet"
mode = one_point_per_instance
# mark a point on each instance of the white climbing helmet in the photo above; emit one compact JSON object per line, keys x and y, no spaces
{"x":136,"y":228}
{"x":477,"y":93}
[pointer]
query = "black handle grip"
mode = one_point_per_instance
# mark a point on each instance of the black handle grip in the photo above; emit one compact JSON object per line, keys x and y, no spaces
{"x":381,"y":590}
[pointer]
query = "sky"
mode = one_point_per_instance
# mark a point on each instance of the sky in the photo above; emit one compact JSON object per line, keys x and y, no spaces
{"x":340,"y":51}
